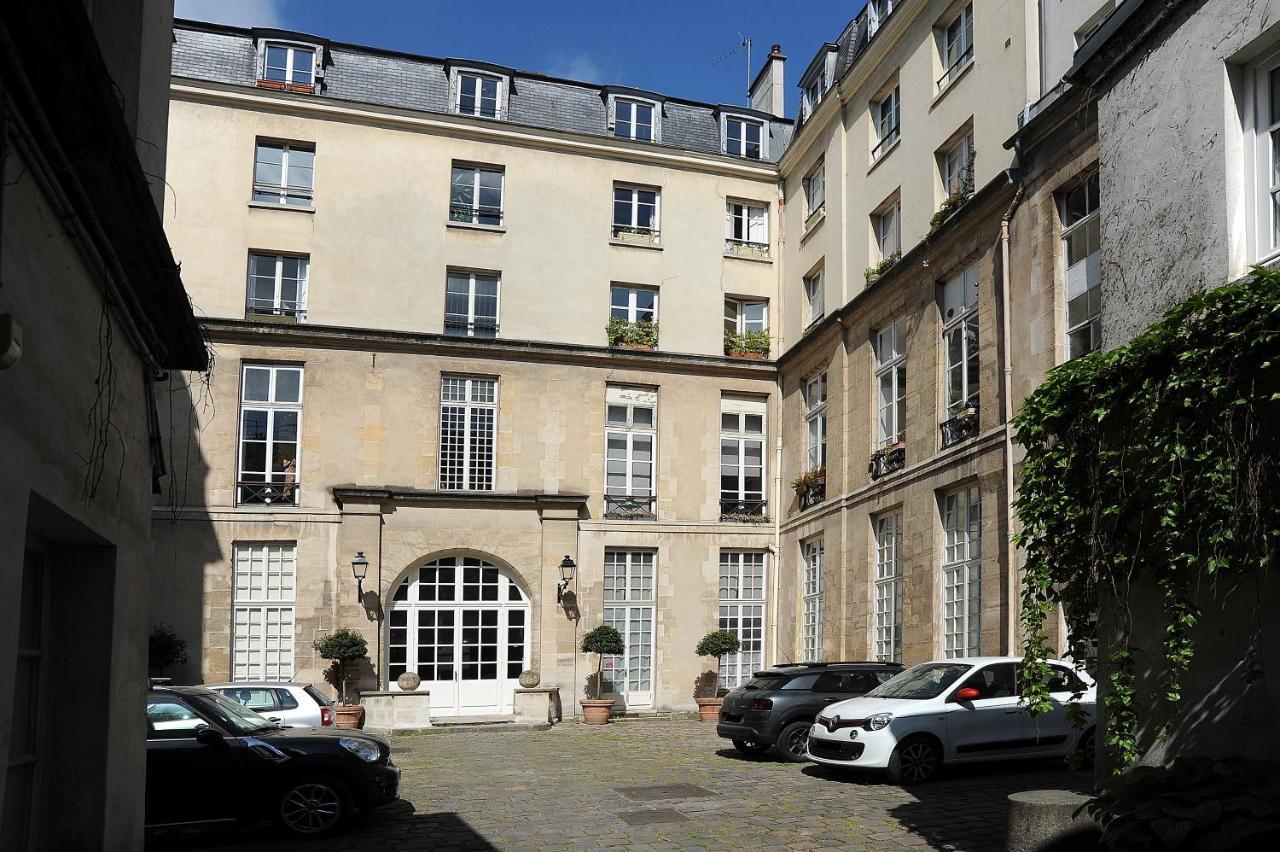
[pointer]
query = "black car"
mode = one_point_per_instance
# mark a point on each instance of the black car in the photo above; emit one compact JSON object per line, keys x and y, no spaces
{"x":776,"y":708}
{"x":210,"y":759}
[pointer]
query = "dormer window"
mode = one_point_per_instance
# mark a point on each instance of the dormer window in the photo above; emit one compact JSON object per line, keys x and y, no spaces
{"x":877,"y":12}
{"x":813,"y":94}
{"x":816,"y":80}
{"x":633,"y":120}
{"x":744,"y":137}
{"x":479,"y":95}
{"x":291,"y":67}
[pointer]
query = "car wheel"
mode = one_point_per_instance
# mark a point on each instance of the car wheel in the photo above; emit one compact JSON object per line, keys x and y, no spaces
{"x":793,"y":742}
{"x":749,"y":747}
{"x":314,"y":806}
{"x":915,"y":760}
{"x":1086,"y":750}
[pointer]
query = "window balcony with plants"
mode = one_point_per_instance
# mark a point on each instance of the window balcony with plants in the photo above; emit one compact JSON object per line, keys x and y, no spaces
{"x":810,"y":487}
{"x":735,"y":510}
{"x":961,"y":426}
{"x":956,"y":199}
{"x":872,"y":273}
{"x":746,"y":248}
{"x":469,"y":214}
{"x":636,"y":235}
{"x":641,"y":335}
{"x":890,"y":458}
{"x":752,"y":345}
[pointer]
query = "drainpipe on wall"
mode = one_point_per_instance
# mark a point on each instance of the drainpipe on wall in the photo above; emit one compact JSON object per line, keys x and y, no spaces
{"x":1011,"y":549}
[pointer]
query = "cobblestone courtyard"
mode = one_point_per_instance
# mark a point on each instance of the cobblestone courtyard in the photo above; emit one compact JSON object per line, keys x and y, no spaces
{"x":587,"y":788}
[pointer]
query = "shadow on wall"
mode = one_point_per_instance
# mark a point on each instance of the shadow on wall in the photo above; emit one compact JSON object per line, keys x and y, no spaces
{"x":704,"y":686}
{"x":183,"y":542}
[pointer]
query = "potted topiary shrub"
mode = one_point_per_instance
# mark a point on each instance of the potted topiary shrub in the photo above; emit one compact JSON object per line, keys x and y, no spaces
{"x":342,"y":647}
{"x":603,"y":640}
{"x":165,"y":649}
{"x":715,"y":644}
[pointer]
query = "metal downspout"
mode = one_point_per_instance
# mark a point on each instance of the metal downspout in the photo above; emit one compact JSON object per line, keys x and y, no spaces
{"x":1006,"y":335}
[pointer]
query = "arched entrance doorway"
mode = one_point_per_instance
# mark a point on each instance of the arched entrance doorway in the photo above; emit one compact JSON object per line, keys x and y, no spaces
{"x":463,"y":625}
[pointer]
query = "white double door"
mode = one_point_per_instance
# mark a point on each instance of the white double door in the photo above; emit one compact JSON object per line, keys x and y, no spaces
{"x":470,"y":658}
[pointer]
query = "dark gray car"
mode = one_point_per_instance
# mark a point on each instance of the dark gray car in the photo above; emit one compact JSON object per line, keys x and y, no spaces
{"x":775,"y":709}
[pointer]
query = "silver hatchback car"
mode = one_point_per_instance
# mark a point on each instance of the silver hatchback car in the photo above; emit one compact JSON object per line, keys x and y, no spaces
{"x":293,"y":705}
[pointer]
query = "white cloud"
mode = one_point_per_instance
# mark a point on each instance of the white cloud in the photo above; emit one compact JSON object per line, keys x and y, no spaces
{"x":579,"y":67}
{"x":241,"y":13}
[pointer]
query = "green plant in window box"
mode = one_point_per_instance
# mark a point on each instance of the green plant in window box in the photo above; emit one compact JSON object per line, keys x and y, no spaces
{"x":811,"y":478}
{"x":715,"y":644}
{"x":874,"y":272}
{"x":753,"y":343}
{"x":956,"y":199}
{"x":631,"y":335}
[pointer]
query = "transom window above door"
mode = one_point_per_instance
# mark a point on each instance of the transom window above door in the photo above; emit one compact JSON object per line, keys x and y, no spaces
{"x":457,"y":578}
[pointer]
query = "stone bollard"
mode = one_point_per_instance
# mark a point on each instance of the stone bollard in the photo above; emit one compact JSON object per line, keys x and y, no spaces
{"x":1045,"y":821}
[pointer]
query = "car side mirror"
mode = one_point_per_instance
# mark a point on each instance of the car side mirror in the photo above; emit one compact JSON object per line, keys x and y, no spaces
{"x":209,"y":737}
{"x":966,"y":693}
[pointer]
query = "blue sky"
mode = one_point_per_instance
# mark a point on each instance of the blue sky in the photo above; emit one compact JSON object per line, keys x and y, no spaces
{"x":662,"y":45}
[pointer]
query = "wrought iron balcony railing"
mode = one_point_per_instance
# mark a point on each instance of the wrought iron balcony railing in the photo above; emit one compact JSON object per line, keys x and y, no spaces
{"x":283,"y":492}
{"x":635,"y":234}
{"x":633,"y":507}
{"x":475,"y":214}
{"x":962,"y":426}
{"x":888,"y":460}
{"x":745,"y":248}
{"x":953,"y":71}
{"x":885,"y":143}
{"x":812,"y":494}
{"x":744,"y":511}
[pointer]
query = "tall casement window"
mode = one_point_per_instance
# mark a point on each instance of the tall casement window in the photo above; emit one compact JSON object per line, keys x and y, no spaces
{"x":471,"y":303}
{"x":743,"y":137}
{"x":478,"y":94}
{"x":891,"y":380}
{"x":960,"y":340}
{"x":886,"y":117}
{"x":633,"y":120}
{"x":1081,"y":239}
{"x":631,"y":442}
{"x":889,"y":587}
{"x":284,"y":173}
{"x":468,"y":422}
{"x":742,"y":458}
{"x":288,"y":66}
{"x":956,"y":164}
{"x":270,"y":430}
{"x":744,"y":315}
{"x":811,"y":616}
{"x":629,"y":609}
{"x":262,"y":602}
{"x":633,"y":304}
{"x":742,"y":614}
{"x":961,"y":572}
{"x":878,"y":11}
{"x":475,"y":196}
{"x":955,"y":44}
{"x":635,"y":213}
{"x":746,"y":228}
{"x":815,"y":190}
{"x":815,"y":421}
{"x":277,"y":286}
{"x":814,"y":297}
{"x":887,"y":226}
{"x":1262,"y":157}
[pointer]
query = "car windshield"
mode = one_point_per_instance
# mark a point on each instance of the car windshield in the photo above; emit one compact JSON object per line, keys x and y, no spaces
{"x":234,"y":715}
{"x":765,"y":682}
{"x":927,"y":680}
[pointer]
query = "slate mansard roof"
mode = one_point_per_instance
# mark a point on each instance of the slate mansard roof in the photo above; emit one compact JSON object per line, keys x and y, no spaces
{"x":225,"y":54}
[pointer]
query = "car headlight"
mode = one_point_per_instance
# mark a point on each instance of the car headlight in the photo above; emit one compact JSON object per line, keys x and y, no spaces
{"x":362,"y":749}
{"x":878,"y":721}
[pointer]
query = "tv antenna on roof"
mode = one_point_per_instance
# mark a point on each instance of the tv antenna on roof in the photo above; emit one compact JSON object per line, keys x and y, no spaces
{"x":744,"y":43}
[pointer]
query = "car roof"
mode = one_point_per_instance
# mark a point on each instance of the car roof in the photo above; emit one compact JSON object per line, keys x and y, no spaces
{"x":800,"y":668}
{"x":986,"y":661}
{"x":258,"y":684}
{"x":179,"y":690}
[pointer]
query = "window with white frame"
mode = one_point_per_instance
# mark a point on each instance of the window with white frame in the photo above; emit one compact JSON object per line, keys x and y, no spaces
{"x":815,"y":421}
{"x":289,"y":65}
{"x":746,"y":227}
{"x":629,"y":608}
{"x":811,"y":615}
{"x":742,"y":468}
{"x":475,"y":194}
{"x":960,"y":340}
{"x":891,"y":379}
{"x":956,"y":163}
{"x":878,"y":12}
{"x":1262,"y":157}
{"x":468,"y":423}
{"x":270,"y":431}
{"x":955,"y":44}
{"x":262,"y":611}
{"x":815,"y":298}
{"x":813,"y":93}
{"x":631,"y":442}
{"x":742,"y":597}
{"x":888,"y":529}
{"x":633,"y":304}
{"x":961,"y":572}
{"x":471,"y":303}
{"x":633,"y":120}
{"x":635,"y":212}
{"x":478,"y":94}
{"x":277,"y":285}
{"x":887,"y":226}
{"x":1081,"y":244}
{"x":815,"y":192}
{"x":744,"y":315}
{"x":744,"y":137}
{"x":283,"y":173}
{"x":886,"y":114}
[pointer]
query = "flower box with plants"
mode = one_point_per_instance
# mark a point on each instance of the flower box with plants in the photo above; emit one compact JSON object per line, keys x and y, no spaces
{"x":603,"y":640}
{"x":715,"y":644}
{"x":811,"y":487}
{"x":956,"y":199}
{"x":343,"y":647}
{"x":632,"y":234}
{"x":631,"y":335}
{"x":752,"y":344}
{"x":889,"y":458}
{"x":874,"y":272}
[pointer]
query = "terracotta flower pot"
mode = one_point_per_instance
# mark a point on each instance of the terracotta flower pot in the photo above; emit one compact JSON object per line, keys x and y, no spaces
{"x":750,"y":356}
{"x":349,"y":716}
{"x":709,"y":708}
{"x":596,"y":711}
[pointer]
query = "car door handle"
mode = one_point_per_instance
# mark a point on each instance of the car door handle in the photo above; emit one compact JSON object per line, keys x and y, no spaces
{"x":828,"y":700}
{"x":1010,"y":712}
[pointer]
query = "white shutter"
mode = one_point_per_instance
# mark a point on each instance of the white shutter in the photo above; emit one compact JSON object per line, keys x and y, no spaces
{"x":728,"y":220}
{"x":757,"y":227}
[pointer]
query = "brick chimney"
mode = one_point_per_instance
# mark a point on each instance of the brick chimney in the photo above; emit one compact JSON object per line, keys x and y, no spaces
{"x":766,"y":90}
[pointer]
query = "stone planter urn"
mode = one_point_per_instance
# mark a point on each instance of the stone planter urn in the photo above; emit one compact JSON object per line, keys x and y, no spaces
{"x":348,"y":716}
{"x":709,"y":708}
{"x":529,"y":678}
{"x":596,"y":711}
{"x":409,"y":681}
